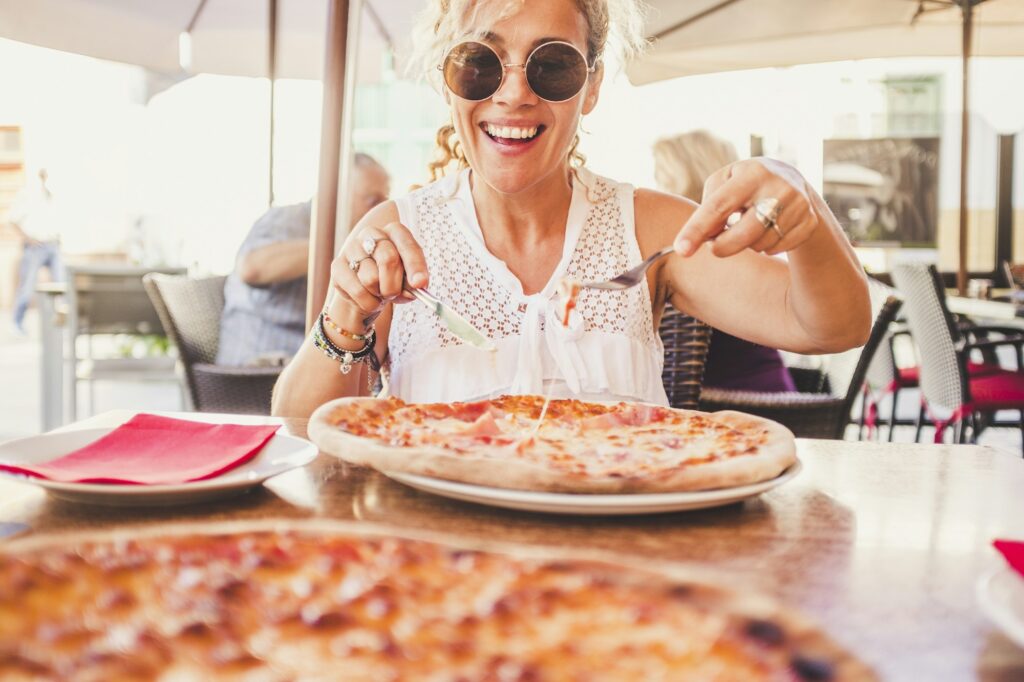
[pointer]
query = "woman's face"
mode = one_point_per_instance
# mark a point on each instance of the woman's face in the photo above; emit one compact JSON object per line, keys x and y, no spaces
{"x":509,"y":160}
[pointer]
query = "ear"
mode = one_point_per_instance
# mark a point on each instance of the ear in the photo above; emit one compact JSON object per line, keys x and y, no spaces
{"x":593,"y":89}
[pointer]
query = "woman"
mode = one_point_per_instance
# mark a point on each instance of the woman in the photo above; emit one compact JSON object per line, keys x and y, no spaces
{"x":681,"y":164}
{"x":494,"y":239}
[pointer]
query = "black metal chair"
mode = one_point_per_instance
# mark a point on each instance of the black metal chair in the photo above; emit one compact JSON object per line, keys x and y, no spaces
{"x":190,"y":311}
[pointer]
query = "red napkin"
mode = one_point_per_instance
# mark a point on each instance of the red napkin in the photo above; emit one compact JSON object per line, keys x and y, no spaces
{"x":149,"y":449}
{"x":1014,"y":553}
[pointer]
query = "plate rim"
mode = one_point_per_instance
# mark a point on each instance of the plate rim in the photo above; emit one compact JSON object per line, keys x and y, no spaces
{"x":610,"y":500}
{"x":1012,"y":630}
{"x":226,"y":481}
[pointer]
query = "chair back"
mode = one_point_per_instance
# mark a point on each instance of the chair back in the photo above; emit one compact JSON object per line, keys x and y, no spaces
{"x":936,"y":335}
{"x":111,"y":299}
{"x":190,"y":310}
{"x":865,"y":357}
{"x":686,"y":348}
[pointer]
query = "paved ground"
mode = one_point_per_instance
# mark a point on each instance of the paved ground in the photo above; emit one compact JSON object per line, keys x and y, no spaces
{"x":20,"y":394}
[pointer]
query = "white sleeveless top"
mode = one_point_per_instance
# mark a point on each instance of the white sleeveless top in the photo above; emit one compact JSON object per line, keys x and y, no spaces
{"x":609,"y":351}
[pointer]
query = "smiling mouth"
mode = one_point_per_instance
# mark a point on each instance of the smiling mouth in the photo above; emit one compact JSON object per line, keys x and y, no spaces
{"x":512,"y":134}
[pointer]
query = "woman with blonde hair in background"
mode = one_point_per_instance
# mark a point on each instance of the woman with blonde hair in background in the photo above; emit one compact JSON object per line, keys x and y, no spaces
{"x":516,"y":211}
{"x":682,"y":164}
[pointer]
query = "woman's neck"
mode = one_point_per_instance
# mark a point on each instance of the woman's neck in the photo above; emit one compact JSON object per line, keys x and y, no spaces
{"x":526,"y":230}
{"x":520,"y":221}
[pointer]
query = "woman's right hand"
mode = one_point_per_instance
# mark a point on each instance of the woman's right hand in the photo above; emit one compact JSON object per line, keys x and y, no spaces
{"x":396,"y":260}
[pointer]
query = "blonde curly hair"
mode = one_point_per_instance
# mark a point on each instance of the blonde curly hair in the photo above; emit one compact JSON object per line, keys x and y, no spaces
{"x":616,"y":23}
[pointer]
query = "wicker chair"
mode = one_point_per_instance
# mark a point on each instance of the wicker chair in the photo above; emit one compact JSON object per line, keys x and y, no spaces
{"x":971,"y":393}
{"x":686,"y":347}
{"x":813,"y":415}
{"x":190,"y":311}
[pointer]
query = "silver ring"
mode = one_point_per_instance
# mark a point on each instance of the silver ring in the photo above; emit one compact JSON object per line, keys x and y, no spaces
{"x":369,"y":244}
{"x":354,"y":263}
{"x":733,"y":218}
{"x":775,"y":226}
{"x":766,"y":211}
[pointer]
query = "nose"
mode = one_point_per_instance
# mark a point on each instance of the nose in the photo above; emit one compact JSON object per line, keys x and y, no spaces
{"x":515,"y":90}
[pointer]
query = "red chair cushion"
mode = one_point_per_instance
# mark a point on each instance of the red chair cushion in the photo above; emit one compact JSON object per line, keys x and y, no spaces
{"x":1002,"y":390}
{"x":909,"y":377}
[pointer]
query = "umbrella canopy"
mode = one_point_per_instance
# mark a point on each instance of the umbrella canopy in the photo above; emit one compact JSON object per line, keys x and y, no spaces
{"x":707,"y":36}
{"x":227,"y":37}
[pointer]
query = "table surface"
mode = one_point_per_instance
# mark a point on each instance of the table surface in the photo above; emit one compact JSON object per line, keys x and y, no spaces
{"x":881,"y":544}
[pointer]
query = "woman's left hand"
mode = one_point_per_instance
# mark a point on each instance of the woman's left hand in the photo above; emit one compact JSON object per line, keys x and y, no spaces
{"x":778,"y":212}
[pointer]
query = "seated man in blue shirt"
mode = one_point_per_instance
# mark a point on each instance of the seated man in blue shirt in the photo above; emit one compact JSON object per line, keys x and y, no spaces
{"x":264,"y":318}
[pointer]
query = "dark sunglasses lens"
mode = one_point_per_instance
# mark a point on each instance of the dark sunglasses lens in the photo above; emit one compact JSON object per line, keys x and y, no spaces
{"x":556,"y":72}
{"x":472,"y":71}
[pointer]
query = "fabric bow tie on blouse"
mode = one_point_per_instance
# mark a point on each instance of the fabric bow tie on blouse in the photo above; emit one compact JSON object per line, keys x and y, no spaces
{"x":153,"y":450}
{"x":1013,"y":552}
{"x":543,"y":313}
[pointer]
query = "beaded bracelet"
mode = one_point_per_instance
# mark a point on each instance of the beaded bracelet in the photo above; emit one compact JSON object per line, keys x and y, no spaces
{"x":347,"y":358}
{"x":347,"y":334}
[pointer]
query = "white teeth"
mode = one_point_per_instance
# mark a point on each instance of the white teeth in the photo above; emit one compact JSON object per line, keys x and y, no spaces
{"x":510,"y":133}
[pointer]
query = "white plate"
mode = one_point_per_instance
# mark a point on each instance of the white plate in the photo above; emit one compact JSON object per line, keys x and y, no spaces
{"x":281,"y":453}
{"x":1001,"y":597}
{"x":588,"y":504}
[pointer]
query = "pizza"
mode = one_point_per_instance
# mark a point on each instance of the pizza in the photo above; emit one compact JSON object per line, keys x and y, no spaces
{"x":335,"y":601}
{"x":529,"y":443}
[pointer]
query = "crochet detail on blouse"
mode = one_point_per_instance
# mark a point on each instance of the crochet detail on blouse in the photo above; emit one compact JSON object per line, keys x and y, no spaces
{"x":458,"y":276}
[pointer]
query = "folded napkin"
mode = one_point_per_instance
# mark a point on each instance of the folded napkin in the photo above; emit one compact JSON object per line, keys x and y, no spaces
{"x":154,"y":450}
{"x":1014,"y":553}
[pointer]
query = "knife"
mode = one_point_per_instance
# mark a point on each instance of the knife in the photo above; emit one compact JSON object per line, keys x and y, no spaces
{"x":456,"y":323}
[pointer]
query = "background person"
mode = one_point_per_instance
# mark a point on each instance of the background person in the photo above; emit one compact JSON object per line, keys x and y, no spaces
{"x":264,"y":316}
{"x":34,"y":217}
{"x":681,"y":166}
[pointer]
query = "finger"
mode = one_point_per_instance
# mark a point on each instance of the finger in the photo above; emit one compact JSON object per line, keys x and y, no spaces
{"x":390,"y":273}
{"x":347,"y":284}
{"x":744,"y":234}
{"x":709,"y":218}
{"x":793,"y":237}
{"x":413,"y":261}
{"x":716,"y":180}
{"x":769,"y":238}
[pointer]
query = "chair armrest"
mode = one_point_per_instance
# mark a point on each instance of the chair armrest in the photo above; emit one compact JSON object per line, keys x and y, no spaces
{"x":807,"y":415}
{"x":990,"y":345}
{"x":981,"y":331}
{"x":236,"y":371}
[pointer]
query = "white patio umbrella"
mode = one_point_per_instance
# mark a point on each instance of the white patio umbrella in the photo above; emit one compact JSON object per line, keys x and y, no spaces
{"x":706,"y":36}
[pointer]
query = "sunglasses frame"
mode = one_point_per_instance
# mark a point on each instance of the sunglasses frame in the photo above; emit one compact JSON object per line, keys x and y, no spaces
{"x":591,"y":68}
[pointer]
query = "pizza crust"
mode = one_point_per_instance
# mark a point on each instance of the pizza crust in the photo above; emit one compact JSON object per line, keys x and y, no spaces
{"x":775,"y":454}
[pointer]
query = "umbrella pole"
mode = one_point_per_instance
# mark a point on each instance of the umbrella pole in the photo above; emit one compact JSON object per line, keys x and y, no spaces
{"x":272,"y":71}
{"x":965,"y":121}
{"x":325,"y":208}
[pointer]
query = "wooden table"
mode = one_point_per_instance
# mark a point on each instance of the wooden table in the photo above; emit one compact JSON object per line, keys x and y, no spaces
{"x":880,"y":543}
{"x":1002,"y":311}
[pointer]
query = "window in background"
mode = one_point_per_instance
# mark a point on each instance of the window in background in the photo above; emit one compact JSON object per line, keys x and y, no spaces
{"x":913,"y":106}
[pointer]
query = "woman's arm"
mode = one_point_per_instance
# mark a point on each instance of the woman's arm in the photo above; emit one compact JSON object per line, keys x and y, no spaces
{"x":815,"y":302}
{"x":357,"y":301}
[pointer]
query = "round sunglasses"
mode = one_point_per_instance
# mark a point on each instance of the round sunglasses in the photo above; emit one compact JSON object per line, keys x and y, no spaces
{"x":556,"y":71}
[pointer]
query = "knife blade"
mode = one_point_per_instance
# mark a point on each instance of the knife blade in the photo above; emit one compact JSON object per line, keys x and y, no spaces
{"x":456,"y":323}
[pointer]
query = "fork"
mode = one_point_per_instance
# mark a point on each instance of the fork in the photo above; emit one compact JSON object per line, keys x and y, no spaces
{"x":631,"y":277}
